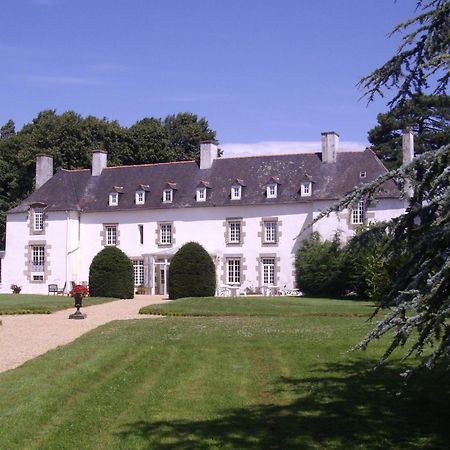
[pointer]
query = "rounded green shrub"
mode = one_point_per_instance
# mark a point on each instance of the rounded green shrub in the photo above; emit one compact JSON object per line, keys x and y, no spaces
{"x":111,"y":274}
{"x":191,"y":273}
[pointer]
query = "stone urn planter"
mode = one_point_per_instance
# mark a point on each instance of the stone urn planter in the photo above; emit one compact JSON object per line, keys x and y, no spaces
{"x":78,"y":293}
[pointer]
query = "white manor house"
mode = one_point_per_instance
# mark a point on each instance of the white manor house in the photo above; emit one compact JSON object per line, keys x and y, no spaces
{"x":248,"y":212}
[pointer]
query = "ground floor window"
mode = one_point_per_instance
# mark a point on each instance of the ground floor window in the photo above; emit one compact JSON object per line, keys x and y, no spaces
{"x":233,"y":271}
{"x":268,"y":271}
{"x":38,"y":258}
{"x":138,"y":266}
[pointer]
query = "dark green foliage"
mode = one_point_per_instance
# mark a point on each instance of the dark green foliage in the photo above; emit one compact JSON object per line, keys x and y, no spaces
{"x":111,"y":274}
{"x":191,"y":273}
{"x":371,"y":270}
{"x":70,"y":139}
{"x":321,"y":268}
{"x":428,"y":116}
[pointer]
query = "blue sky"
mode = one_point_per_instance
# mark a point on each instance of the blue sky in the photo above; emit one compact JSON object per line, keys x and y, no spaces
{"x":279,"y":70}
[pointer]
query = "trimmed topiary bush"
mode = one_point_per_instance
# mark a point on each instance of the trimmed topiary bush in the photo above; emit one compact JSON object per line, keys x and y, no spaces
{"x":191,"y":273}
{"x":111,"y":274}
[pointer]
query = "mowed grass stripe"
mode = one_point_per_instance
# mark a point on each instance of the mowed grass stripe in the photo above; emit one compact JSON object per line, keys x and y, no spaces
{"x":261,"y":307}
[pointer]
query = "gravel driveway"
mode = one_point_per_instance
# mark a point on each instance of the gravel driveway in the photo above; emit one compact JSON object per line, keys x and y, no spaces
{"x":23,"y":337}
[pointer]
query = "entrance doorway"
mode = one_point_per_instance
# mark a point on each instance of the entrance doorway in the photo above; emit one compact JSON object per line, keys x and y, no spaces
{"x":161,"y":276}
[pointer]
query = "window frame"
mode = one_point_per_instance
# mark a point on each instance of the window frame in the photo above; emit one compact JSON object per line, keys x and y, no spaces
{"x":167,"y":198}
{"x":274,"y":231}
{"x":236,"y":192}
{"x":201,"y":191}
{"x":273,"y":194}
{"x":306,"y":189}
{"x":138,"y":200}
{"x":38,"y":219}
{"x":113,"y":199}
{"x":358,"y":214}
{"x":165,"y":236}
{"x":138,"y":272}
{"x":268,"y":271}
{"x":237,"y":225}
{"x":110,"y":235}
{"x":38,"y":259}
{"x":234,"y":276}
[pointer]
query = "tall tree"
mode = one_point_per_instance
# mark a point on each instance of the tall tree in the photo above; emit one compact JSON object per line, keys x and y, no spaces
{"x":8,"y":130}
{"x":419,"y":303}
{"x":185,"y":131}
{"x":428,"y":116}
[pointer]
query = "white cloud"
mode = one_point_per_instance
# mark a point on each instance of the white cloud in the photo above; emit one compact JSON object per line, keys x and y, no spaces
{"x":284,"y":147}
{"x":62,"y":80}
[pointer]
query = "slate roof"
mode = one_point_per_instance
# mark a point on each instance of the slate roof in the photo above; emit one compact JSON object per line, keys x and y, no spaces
{"x":78,"y":190}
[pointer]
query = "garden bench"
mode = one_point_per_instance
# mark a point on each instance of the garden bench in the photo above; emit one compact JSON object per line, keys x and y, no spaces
{"x":55,"y":290}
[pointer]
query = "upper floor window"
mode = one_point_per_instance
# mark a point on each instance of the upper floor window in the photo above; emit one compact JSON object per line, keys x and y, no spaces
{"x":358,"y":213}
{"x":201,"y":194}
{"x":272,"y":190}
{"x":165,"y":233}
{"x":113,"y":199}
{"x":236,"y":192}
{"x":38,"y":222}
{"x":234,"y":232}
{"x":306,"y":189}
{"x":140,"y":197}
{"x":270,"y":232}
{"x":167,"y":195}
{"x":111,"y":235}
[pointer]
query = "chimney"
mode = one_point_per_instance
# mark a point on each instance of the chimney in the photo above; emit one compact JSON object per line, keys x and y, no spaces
{"x":99,"y":162}
{"x":407,"y":146}
{"x":208,"y":153}
{"x":44,"y":169}
{"x":330,"y":146}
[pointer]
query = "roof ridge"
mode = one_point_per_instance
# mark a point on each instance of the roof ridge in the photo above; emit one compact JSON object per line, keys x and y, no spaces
{"x":150,"y":164}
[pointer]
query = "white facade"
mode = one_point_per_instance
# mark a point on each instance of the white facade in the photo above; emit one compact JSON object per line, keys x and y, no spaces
{"x":72,"y":240}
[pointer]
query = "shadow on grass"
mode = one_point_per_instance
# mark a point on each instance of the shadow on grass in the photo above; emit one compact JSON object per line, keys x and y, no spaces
{"x":349,"y":406}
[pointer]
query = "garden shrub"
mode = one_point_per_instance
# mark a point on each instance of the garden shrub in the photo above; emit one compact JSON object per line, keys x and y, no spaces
{"x":111,"y":274}
{"x":321,"y":267}
{"x":191,"y":273}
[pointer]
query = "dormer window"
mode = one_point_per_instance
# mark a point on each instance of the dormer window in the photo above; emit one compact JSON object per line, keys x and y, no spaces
{"x":306,"y":189}
{"x":236,"y":192}
{"x":113,"y":199}
{"x":272,"y":190}
{"x":201,"y":194}
{"x":140,"y":197}
{"x":167,"y":195}
{"x":38,"y":222}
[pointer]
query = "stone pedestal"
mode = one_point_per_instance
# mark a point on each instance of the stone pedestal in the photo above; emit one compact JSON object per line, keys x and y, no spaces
{"x":78,"y":315}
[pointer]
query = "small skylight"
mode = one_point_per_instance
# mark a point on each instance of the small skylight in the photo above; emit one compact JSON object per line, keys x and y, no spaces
{"x":362,"y":174}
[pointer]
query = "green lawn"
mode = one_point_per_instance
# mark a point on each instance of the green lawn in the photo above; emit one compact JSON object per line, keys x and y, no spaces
{"x":263,"y":382}
{"x":42,"y":304}
{"x":262,"y":306}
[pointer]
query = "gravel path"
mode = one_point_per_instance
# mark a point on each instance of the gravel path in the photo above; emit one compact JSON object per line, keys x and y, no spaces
{"x":23,"y":337}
